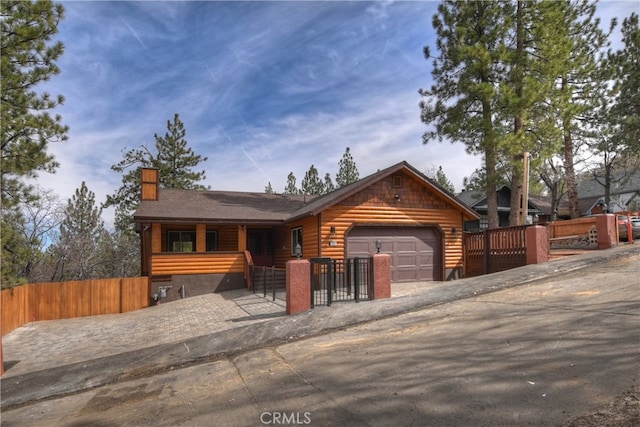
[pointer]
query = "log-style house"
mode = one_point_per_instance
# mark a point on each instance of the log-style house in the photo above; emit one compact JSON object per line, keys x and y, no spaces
{"x":207,"y":239}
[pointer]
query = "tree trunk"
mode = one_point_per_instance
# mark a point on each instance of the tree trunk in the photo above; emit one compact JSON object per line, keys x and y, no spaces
{"x":572,"y":186}
{"x":518,"y":125}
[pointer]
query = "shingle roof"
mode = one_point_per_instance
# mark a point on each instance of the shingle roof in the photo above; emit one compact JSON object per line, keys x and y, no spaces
{"x":591,"y":188}
{"x":220,"y":206}
{"x":234,"y":207}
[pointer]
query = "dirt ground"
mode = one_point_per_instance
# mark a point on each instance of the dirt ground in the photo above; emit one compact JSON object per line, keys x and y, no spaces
{"x":623,"y":411}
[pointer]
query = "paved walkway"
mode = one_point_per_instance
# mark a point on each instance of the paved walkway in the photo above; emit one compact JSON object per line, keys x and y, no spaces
{"x":42,"y":345}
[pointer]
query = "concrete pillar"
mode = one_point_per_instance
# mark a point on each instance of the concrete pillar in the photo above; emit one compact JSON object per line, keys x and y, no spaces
{"x":607,"y":231}
{"x":298,"y":286}
{"x":537,"y":243}
{"x":381,"y":276}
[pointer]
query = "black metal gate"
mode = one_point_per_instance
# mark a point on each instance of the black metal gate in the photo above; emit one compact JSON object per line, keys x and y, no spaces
{"x":341,"y":280}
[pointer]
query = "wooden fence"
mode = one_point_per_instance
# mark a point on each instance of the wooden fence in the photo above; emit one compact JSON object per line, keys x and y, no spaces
{"x":63,"y":300}
{"x":490,"y":251}
{"x":578,"y":227}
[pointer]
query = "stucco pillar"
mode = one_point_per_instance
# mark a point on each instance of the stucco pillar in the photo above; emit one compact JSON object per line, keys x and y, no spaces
{"x":381,"y":276}
{"x":298,"y":286}
{"x":1,"y":355}
{"x":607,"y":231}
{"x":537,"y":243}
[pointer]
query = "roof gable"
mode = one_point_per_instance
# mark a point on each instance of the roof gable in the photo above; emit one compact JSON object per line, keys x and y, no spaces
{"x":338,"y":196}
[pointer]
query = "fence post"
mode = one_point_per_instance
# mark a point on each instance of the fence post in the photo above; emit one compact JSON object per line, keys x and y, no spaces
{"x":487,"y":252}
{"x":298,"y":286}
{"x":607,"y":231}
{"x":537,"y":244}
{"x":381,"y":276}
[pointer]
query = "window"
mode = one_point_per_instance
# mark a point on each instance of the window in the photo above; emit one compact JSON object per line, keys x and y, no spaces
{"x":212,"y":241}
{"x":484,"y":222}
{"x":296,"y":239}
{"x":181,"y":241}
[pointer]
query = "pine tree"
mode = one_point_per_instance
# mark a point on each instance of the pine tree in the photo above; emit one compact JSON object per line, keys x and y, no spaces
{"x":26,"y":128}
{"x":347,"y":172}
{"x":444,"y":182}
{"x":26,"y":125}
{"x":77,"y":252}
{"x":268,"y":189}
{"x":625,"y":68}
{"x":579,"y":40}
{"x":174,"y":160}
{"x":615,"y":142}
{"x":328,"y":184}
{"x":462,"y":103}
{"x":525,"y":93}
{"x":291,"y":185}
{"x":311,"y":183}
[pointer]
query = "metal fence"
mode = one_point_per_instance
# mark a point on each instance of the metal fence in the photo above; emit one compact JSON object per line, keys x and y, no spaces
{"x":268,"y":280}
{"x":341,"y":280}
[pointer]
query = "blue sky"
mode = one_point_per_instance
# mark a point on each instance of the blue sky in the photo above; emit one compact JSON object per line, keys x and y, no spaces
{"x":263,"y":88}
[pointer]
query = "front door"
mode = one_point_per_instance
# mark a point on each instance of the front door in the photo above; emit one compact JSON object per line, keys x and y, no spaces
{"x":260,"y":244}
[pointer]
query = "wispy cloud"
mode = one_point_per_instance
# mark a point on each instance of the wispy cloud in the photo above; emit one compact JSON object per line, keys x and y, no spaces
{"x":134,"y":33}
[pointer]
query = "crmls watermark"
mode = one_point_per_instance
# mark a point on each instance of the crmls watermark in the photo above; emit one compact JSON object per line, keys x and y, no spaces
{"x":277,"y":417}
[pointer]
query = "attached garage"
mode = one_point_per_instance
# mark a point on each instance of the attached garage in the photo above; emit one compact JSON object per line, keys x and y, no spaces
{"x":416,"y":252}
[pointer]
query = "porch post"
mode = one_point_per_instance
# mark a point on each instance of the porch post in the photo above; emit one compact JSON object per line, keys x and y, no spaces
{"x":537,"y":244}
{"x":381,"y":276}
{"x":298,"y":286}
{"x":242,"y":238}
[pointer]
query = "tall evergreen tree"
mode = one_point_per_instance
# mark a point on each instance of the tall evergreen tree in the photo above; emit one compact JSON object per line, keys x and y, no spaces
{"x":627,"y":77}
{"x":27,"y":127}
{"x":578,"y":41}
{"x":615,"y":144}
{"x":291,"y":185}
{"x":347,"y":172}
{"x":175,"y":161}
{"x":444,"y":182}
{"x":462,"y":102}
{"x":328,"y":184}
{"x":268,"y":189}
{"x":311,"y":183}
{"x":77,"y":251}
{"x":525,"y":92}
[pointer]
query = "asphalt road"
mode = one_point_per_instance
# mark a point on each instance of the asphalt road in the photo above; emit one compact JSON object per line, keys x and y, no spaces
{"x":533,"y":355}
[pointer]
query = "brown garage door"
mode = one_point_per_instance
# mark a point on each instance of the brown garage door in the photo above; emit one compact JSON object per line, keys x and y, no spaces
{"x":416,"y":252}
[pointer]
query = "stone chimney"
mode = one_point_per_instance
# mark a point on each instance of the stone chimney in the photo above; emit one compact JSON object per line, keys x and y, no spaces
{"x":150,"y":183}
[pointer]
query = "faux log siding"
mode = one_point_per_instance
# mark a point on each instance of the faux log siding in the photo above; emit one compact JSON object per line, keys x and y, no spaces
{"x":195,"y":263}
{"x":227,"y":238}
{"x":342,"y":217}
{"x":309,"y":240}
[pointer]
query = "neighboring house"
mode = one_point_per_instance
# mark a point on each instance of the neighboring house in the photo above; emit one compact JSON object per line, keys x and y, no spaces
{"x":624,"y":195}
{"x":538,"y":208}
{"x":205,"y":239}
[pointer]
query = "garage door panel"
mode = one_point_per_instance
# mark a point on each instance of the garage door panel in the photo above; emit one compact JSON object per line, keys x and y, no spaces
{"x":406,"y":246}
{"x":360,"y":247}
{"x":408,"y":260}
{"x":415,"y":252}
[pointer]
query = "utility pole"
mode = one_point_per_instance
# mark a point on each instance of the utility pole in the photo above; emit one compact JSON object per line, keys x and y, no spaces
{"x":525,"y":189}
